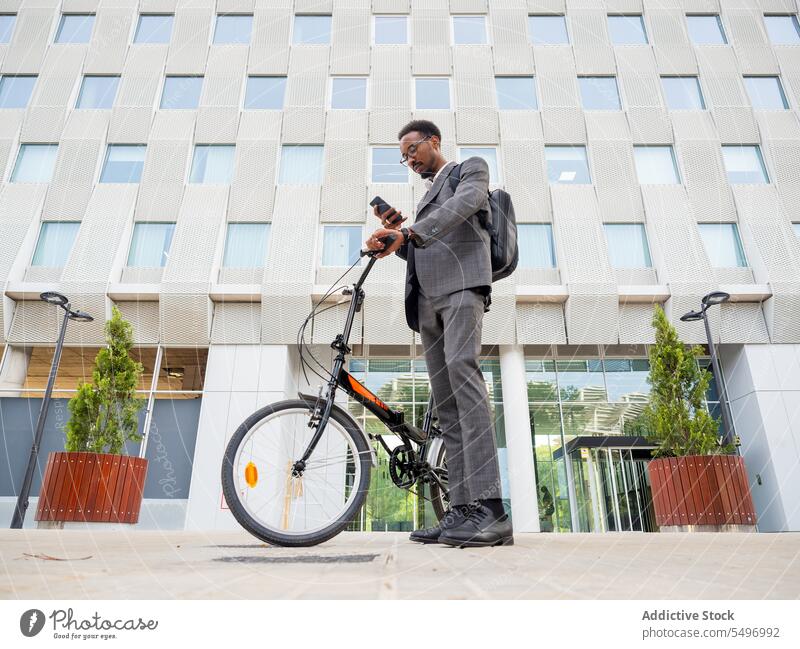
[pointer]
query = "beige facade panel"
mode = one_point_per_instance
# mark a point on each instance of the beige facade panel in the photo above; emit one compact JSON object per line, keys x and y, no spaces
{"x":590,"y":42}
{"x":351,"y":29}
{"x":143,"y":317}
{"x":253,"y":188}
{"x":540,"y":323}
{"x":391,"y":6}
{"x":29,"y":41}
{"x":269,"y":44}
{"x":237,"y":324}
{"x":329,"y":323}
{"x":73,"y":178}
{"x":112,"y":26}
{"x":705,"y":179}
{"x":635,"y":324}
{"x":188,"y":48}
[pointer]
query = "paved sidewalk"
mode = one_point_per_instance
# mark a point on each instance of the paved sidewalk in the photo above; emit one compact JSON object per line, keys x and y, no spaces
{"x":72,"y":564}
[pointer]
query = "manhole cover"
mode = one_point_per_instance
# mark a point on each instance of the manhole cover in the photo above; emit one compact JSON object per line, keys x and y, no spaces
{"x":307,"y":558}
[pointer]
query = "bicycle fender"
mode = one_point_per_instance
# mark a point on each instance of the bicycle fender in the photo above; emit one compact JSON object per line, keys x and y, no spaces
{"x":312,"y":400}
{"x":432,"y":447}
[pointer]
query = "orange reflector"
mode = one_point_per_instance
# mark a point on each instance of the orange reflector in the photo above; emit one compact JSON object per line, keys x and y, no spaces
{"x":251,"y":474}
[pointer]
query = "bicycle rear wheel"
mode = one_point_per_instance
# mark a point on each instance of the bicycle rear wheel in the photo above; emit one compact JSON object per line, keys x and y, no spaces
{"x":281,"y":508}
{"x":439,"y":497}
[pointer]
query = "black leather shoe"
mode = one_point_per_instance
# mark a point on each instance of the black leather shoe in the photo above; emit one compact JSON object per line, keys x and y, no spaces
{"x":480,"y":528}
{"x":452,"y":518}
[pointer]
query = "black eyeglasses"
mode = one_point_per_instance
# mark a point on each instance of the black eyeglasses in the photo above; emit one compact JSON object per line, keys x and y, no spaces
{"x":412,"y":150}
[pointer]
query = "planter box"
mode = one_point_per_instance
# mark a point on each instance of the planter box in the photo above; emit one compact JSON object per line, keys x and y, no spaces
{"x":92,"y":487}
{"x":701,"y":493}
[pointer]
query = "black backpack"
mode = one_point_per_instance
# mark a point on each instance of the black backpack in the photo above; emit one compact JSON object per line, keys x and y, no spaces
{"x":502,"y":226}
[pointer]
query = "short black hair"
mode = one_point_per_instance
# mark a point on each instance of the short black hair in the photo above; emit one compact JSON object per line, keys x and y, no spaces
{"x":421,"y":126}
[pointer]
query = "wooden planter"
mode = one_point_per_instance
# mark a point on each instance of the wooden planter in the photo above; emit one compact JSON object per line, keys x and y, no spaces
{"x":92,"y":487}
{"x":709,"y":490}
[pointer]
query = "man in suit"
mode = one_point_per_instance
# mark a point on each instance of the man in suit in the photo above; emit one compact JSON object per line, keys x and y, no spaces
{"x":448,"y":286}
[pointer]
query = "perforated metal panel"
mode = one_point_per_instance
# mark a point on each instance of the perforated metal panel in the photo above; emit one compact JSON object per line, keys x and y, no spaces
{"x":269,"y":43}
{"x":589,"y":37}
{"x":508,"y":26}
{"x":111,"y":26}
{"x":540,"y":323}
{"x":331,"y":322}
{"x":430,"y":33}
{"x":667,"y":32}
{"x":236,"y":323}
{"x":143,"y":317}
{"x":350,"y":38}
{"x":29,"y":41}
{"x":188,"y":47}
{"x":73,"y":178}
{"x":635,"y":326}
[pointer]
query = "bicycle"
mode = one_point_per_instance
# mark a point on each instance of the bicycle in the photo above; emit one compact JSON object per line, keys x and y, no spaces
{"x":295,"y":473}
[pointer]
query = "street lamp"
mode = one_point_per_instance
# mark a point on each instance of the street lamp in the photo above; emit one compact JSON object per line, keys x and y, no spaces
{"x":716,"y":297}
{"x":59,"y":300}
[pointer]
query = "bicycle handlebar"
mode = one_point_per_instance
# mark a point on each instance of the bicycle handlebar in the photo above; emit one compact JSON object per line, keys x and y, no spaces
{"x":387,"y":241}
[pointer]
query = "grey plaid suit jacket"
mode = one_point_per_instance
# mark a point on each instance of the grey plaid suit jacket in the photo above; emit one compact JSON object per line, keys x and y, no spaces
{"x":450,"y":250}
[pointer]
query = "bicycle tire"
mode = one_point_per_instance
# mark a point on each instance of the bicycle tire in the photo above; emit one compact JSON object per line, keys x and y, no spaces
{"x":294,"y":540}
{"x":437,"y":497}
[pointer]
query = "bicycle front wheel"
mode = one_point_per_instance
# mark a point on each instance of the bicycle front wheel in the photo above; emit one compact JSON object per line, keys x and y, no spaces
{"x":274,"y":503}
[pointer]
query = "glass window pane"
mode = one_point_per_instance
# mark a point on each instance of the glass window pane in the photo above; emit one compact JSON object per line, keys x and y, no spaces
{"x":469,"y":30}
{"x":341,"y":245}
{"x":265,"y":92}
{"x":124,"y":163}
{"x":97,"y":92}
{"x":626,"y":379}
{"x":783,"y":30}
{"x":626,"y":30}
{"x":391,"y":30}
{"x":75,"y":28}
{"x":599,"y":93}
{"x":233,"y":29}
{"x":301,"y":165}
{"x":536,"y":248}
{"x":581,"y":380}
{"x":15,"y":92}
{"x":246,"y":245}
{"x":627,"y":245}
{"x":744,"y":164}
{"x":433,"y":93}
{"x":766,"y":93}
{"x":349,"y":93}
{"x":181,"y":92}
{"x":55,"y":243}
{"x":488,"y":154}
{"x":153,"y":28}
{"x":7,"y":27}
{"x":516,"y":93}
{"x":35,"y":163}
{"x":705,"y":30}
{"x":722,"y":244}
{"x":796,"y":227}
{"x":213,"y":164}
{"x":683,"y":93}
{"x":150,"y":244}
{"x":567,"y":164}
{"x":541,"y":379}
{"x":548,"y":30}
{"x":312,"y":30}
{"x":655,"y":165}
{"x":386,"y":167}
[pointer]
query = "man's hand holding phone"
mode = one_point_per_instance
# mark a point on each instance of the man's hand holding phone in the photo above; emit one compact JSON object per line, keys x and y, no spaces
{"x":391,"y":219}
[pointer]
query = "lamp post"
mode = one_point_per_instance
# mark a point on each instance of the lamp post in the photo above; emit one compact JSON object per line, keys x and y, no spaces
{"x":22,"y":502}
{"x":716,"y":297}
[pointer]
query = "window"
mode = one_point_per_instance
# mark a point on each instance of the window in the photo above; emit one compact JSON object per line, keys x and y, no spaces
{"x":246,"y":245}
{"x":433,"y":93}
{"x":627,"y":30}
{"x":683,"y":93}
{"x":312,"y":30}
{"x":386,"y":167}
{"x":783,"y":30}
{"x":469,"y":30}
{"x":233,"y":29}
{"x":796,"y":227}
{"x":488,"y":154}
{"x":722,"y":244}
{"x":75,"y":28}
{"x":548,"y":30}
{"x":706,"y":30}
{"x":599,"y":93}
{"x":536,"y":249}
{"x":567,"y":164}
{"x":348,"y":92}
{"x":301,"y":164}
{"x":7,"y":27}
{"x":150,"y":245}
{"x":181,"y":93}
{"x":340,"y":244}
{"x":627,"y":245}
{"x":655,"y":165}
{"x":123,"y":164}
{"x":212,"y":164}
{"x":391,"y":30}
{"x":97,"y":92}
{"x":54,"y":244}
{"x":766,"y":93}
{"x":265,"y":93}
{"x":516,"y":93}
{"x":35,"y":163}
{"x":15,"y":92}
{"x":153,"y":28}
{"x":744,"y":164}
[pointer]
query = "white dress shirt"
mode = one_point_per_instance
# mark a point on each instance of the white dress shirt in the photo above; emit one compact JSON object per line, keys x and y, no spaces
{"x":429,"y":182}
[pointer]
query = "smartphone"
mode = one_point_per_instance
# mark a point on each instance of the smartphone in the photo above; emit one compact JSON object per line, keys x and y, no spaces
{"x":383,"y":206}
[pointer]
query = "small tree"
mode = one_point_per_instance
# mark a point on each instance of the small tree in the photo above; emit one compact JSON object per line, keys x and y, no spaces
{"x":675,"y":417}
{"x":104,"y":413}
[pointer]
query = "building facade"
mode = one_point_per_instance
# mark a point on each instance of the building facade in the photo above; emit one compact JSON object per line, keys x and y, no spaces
{"x":207,"y":167}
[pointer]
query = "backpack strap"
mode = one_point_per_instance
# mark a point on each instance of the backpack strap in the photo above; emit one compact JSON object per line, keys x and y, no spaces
{"x":455,"y":177}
